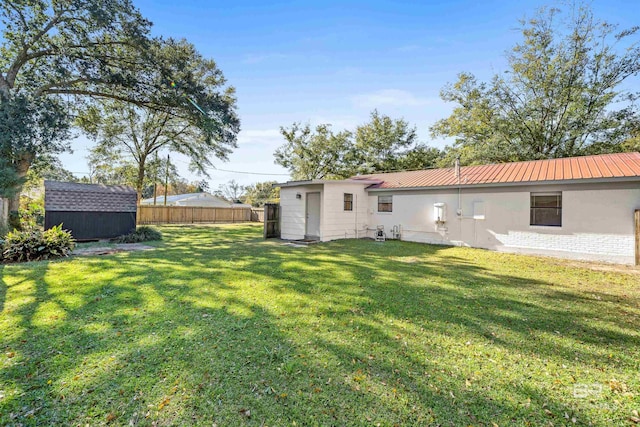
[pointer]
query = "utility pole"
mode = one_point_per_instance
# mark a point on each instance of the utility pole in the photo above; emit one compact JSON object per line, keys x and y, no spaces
{"x":155,"y":181}
{"x":166,"y":181}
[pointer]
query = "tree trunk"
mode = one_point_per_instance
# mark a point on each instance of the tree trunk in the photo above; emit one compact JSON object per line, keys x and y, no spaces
{"x":140,"y":179}
{"x":22,"y":165}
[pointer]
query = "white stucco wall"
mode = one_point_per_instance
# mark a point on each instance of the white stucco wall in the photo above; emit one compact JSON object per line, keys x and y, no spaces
{"x":293,"y":210}
{"x":597,"y":220}
{"x":335,"y":222}
{"x":338,"y":223}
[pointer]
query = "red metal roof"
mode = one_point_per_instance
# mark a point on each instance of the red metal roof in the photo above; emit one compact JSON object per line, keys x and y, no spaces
{"x":621,"y":165}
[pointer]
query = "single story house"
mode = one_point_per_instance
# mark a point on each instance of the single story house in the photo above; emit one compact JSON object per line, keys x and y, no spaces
{"x":194,"y":200}
{"x":90,"y":211}
{"x":580,"y":207}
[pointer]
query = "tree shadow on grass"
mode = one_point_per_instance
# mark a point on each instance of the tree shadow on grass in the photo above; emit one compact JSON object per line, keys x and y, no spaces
{"x":148,"y":353}
{"x":527,"y":317}
{"x":219,"y":326}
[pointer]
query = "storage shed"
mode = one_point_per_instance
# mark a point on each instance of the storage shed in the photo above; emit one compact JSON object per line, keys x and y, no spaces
{"x":90,"y":211}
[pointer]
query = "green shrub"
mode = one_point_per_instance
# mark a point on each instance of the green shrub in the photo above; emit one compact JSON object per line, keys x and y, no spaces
{"x":142,"y":234}
{"x":35,"y":244}
{"x":31,"y":212}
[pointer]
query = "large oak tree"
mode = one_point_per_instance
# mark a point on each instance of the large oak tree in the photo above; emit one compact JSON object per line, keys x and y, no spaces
{"x":138,"y":133}
{"x":563,"y":93}
{"x":57,"y":56}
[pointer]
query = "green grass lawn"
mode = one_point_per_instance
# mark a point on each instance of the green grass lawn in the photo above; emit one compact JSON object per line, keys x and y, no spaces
{"x":217,"y":326}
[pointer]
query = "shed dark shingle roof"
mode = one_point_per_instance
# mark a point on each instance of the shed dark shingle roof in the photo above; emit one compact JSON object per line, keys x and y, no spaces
{"x":75,"y":197}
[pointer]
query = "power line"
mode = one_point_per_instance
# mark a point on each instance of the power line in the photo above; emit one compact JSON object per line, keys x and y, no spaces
{"x":217,"y":169}
{"x":232,"y":171}
{"x":250,"y":173}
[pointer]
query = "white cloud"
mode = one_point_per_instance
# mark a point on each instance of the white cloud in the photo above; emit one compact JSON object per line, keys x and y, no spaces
{"x":389,"y":98}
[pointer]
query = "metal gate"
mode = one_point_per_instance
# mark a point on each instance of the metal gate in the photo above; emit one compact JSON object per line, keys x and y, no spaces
{"x":271,"y":220}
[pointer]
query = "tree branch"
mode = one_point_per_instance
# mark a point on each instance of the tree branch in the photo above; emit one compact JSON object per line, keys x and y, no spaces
{"x":21,"y":59}
{"x":98,"y":94}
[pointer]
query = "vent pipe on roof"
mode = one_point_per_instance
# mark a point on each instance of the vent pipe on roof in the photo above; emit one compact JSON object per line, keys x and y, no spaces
{"x":457,"y":168}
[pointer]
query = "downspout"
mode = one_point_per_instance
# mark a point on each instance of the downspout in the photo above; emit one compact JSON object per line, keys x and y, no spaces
{"x":459,"y":210}
{"x":355,"y":221}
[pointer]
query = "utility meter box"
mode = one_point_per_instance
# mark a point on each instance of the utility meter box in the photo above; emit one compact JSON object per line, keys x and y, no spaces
{"x":440,"y":212}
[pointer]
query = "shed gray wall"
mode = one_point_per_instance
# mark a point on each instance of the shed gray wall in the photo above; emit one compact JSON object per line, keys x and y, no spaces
{"x":92,"y":225}
{"x":90,"y":211}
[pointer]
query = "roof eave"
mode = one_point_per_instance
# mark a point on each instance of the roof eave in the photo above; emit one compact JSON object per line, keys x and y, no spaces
{"x":513,"y":184}
{"x":293,"y":183}
{"x":326,"y":181}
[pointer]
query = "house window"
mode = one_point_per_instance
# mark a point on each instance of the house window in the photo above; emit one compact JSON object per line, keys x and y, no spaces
{"x":385,"y":203}
{"x":546,"y":209}
{"x":348,"y":202}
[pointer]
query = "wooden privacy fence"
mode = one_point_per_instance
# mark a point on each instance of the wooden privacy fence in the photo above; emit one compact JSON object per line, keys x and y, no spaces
{"x":257,"y":214}
{"x":148,"y":214}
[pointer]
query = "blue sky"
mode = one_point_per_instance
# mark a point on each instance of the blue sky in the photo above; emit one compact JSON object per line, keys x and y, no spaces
{"x":334,"y":62}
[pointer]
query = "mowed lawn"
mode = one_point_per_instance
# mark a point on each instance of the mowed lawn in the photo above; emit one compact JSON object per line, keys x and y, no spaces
{"x":218,"y":327}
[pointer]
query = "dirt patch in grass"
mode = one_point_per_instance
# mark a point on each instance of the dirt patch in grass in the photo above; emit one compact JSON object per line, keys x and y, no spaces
{"x":112,"y":249}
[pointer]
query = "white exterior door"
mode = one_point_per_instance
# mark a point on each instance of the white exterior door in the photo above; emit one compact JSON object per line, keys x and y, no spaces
{"x":313,"y":215}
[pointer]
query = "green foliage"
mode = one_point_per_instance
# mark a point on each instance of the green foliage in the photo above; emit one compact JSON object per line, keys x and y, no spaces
{"x":197,"y":118}
{"x":260,"y":193}
{"x":52,"y":48}
{"x":382,"y":144}
{"x":108,"y":165}
{"x":141,"y":234}
{"x":4,"y":229}
{"x":564,"y":94}
{"x":315,"y":154}
{"x":31,"y":208}
{"x":31,"y":212}
{"x":31,"y":129}
{"x":9,"y":179}
{"x":58,"y":59}
{"x":385,"y":144}
{"x":35,"y":244}
{"x":47,"y":167}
